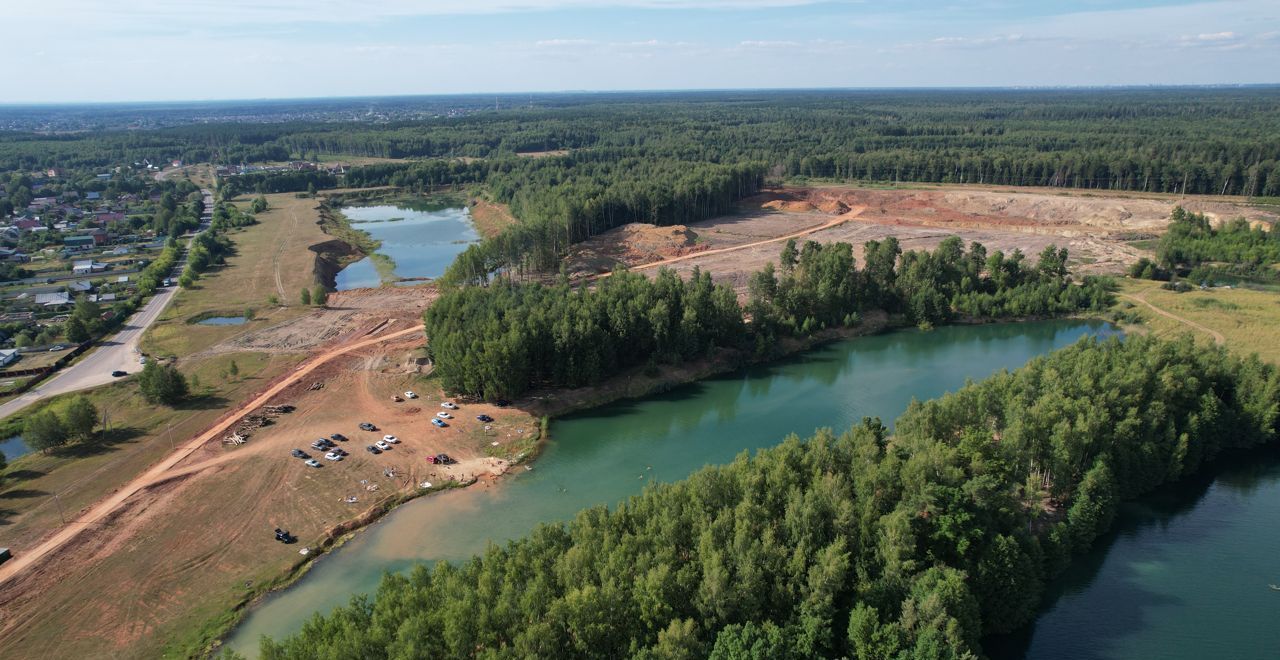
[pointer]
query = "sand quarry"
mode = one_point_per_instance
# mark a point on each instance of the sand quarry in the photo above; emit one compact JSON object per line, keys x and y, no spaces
{"x":237,"y":494}
{"x":1097,"y":228}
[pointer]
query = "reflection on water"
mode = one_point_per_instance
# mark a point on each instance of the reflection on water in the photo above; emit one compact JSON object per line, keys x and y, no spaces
{"x":1184,"y":574}
{"x":422,"y":241}
{"x":607,"y":454}
{"x":14,"y":447}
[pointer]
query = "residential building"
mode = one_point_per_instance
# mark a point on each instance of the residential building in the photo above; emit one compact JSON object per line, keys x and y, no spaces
{"x":57,"y":299}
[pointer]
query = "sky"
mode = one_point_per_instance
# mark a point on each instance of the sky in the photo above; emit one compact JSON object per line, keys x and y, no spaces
{"x":149,"y":50}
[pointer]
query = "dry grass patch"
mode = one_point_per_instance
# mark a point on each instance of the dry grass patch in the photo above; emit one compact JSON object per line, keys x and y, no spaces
{"x":271,"y":260}
{"x":1248,"y":320}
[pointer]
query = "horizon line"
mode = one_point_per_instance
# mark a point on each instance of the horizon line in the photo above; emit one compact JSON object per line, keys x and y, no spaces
{"x":688,"y":90}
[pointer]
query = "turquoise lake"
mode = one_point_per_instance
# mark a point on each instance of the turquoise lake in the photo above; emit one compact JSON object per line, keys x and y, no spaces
{"x":606,"y":454}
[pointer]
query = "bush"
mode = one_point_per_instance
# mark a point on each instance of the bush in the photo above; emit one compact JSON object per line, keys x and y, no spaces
{"x":162,"y":384}
{"x":44,"y":431}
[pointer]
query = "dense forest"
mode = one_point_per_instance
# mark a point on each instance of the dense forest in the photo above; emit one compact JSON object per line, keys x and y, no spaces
{"x":500,"y":340}
{"x":603,"y":160}
{"x":861,"y":545}
{"x":1169,"y":140}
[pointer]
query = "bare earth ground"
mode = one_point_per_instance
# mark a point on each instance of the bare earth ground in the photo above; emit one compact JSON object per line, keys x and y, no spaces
{"x":196,"y":540}
{"x":345,"y":313}
{"x":1093,"y":226}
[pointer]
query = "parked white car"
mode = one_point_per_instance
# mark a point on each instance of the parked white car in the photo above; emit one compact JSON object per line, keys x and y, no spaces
{"x":382,"y":445}
{"x":444,"y":415}
{"x":331,"y":456}
{"x":450,"y":405}
{"x":410,"y":394}
{"x":391,"y":438}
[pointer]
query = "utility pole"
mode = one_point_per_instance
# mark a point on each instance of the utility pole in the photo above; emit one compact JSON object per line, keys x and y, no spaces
{"x":61,"y":514}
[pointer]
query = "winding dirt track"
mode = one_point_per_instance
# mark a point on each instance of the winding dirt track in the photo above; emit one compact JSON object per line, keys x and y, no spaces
{"x":1218,"y":338}
{"x":160,"y":471}
{"x":840,"y":220}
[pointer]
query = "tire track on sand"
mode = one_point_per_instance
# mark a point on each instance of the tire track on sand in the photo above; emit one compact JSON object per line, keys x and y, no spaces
{"x":159,"y":472}
{"x":839,"y":220}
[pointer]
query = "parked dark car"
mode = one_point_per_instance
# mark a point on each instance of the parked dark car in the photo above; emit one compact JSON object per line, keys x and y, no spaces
{"x":298,"y":453}
{"x":373,"y":450}
{"x":339,"y":437}
{"x":285,"y":537}
{"x":484,"y":418}
{"x":366,"y":426}
{"x":502,"y":403}
{"x":119,"y":374}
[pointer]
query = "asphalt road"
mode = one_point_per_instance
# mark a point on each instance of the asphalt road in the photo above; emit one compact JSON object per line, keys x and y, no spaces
{"x":119,"y":352}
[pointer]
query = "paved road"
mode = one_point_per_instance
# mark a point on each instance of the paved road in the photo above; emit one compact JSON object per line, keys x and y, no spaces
{"x":119,"y":352}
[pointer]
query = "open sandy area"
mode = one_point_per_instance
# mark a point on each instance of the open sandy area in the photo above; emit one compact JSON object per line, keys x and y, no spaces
{"x":1097,"y":228}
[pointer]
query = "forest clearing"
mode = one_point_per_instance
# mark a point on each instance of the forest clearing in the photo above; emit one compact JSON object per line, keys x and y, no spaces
{"x":1098,"y":228}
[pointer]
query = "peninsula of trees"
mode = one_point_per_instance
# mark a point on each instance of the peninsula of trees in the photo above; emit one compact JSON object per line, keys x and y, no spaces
{"x":863,"y":545}
{"x":500,"y":340}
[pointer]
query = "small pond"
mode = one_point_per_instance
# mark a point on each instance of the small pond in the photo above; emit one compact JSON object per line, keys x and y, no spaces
{"x":223,"y":320}
{"x":14,"y":447}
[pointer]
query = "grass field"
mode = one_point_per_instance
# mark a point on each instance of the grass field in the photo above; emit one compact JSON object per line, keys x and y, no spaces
{"x":138,"y":435}
{"x":1249,"y":321}
{"x":271,"y":259}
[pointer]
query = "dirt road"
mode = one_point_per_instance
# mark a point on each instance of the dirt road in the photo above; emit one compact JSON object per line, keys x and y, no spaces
{"x":159,"y":471}
{"x":1217,"y":336}
{"x":708,"y":253}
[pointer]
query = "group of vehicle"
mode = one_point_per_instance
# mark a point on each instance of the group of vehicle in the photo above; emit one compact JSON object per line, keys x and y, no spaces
{"x":382,"y":445}
{"x":335,"y":453}
{"x":328,"y":445}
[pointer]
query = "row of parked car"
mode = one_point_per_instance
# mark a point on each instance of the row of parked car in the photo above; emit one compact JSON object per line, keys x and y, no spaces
{"x":335,"y":453}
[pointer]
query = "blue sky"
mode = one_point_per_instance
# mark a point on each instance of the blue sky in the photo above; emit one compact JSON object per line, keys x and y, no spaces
{"x":135,"y":50}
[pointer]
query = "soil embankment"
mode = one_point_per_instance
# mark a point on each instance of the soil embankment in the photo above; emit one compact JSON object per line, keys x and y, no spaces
{"x":331,"y":257}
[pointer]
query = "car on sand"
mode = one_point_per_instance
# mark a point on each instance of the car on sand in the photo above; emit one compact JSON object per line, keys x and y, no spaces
{"x":366,"y":426}
{"x":410,"y":394}
{"x":373,"y":450}
{"x":439,"y":423}
{"x":444,"y":415}
{"x":333,"y":456}
{"x":449,"y":405}
{"x":392,"y":439}
{"x":382,"y":445}
{"x":313,"y":462}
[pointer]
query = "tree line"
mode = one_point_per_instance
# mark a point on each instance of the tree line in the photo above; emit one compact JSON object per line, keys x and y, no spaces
{"x":863,"y":545}
{"x":500,"y":340}
{"x":1195,"y":250}
{"x":212,"y":246}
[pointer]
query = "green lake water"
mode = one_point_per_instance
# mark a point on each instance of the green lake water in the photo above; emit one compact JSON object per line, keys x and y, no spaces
{"x":609,"y":453}
{"x":1184,"y":575}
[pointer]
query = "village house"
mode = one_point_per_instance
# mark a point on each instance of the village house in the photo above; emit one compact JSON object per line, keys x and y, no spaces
{"x":53,"y":300}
